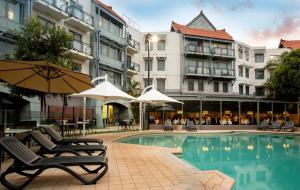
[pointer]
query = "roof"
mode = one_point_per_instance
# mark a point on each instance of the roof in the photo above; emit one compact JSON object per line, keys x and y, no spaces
{"x":218,"y":34}
{"x":109,"y":9}
{"x":291,"y":44}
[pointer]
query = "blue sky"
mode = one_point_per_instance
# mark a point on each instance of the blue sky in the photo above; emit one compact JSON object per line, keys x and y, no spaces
{"x":255,"y":22}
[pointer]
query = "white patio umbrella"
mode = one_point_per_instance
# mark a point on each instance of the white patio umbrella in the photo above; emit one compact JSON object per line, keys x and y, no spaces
{"x":153,"y":96}
{"x":104,"y":91}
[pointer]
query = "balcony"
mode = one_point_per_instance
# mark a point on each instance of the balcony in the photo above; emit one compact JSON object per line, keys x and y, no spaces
{"x":209,"y":72}
{"x":53,"y":8}
{"x":197,"y":50}
{"x":79,"y":19}
{"x":112,"y":36}
{"x":81,"y":50}
{"x":133,"y":68}
{"x":272,"y":64}
{"x":133,"y":46}
{"x":223,"y":52}
{"x":107,"y":61}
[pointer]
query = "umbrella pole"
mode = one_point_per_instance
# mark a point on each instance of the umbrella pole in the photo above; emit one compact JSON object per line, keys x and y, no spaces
{"x":62,"y":116}
{"x":141,"y":116}
{"x":83,"y":121}
{"x":163,"y":114}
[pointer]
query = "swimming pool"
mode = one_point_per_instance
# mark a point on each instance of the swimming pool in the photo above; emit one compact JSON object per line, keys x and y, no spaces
{"x":255,"y":161}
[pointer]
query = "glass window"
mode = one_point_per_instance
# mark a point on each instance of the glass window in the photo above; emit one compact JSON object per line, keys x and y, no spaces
{"x":240,"y":71}
{"x":46,"y":22}
{"x":191,"y":111}
{"x":248,"y":113}
{"x":279,"y":112}
{"x":105,"y":23}
{"x":2,"y":8}
{"x":161,"y":84}
{"x":247,"y":55}
{"x":291,"y":113}
{"x":241,"y":89}
{"x":146,"y":46}
{"x":240,"y":52}
{"x":247,"y":72}
{"x":104,"y":49}
{"x":146,"y":65}
{"x":76,"y":67}
{"x":259,"y":74}
{"x":190,"y":85}
{"x":265,"y":112}
{"x":201,"y":85}
{"x":247,"y":90}
{"x":211,"y":113}
{"x":117,"y":79}
{"x":259,"y":58}
{"x":161,"y":65}
{"x":259,"y":91}
{"x":14,"y":11}
{"x":161,"y":45}
{"x":230,"y":111}
{"x":146,"y":82}
{"x":225,"y":87}
{"x":216,"y":86}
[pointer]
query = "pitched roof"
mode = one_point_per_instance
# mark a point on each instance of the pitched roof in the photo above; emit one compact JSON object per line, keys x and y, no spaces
{"x":291,"y":44}
{"x":109,"y":9}
{"x":203,"y":16}
{"x":218,"y":34}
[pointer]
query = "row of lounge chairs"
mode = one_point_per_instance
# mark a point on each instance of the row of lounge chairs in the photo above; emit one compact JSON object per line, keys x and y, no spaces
{"x":288,"y":126}
{"x":189,"y":126}
{"x":30,"y":164}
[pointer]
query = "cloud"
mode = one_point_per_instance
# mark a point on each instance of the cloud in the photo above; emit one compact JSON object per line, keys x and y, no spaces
{"x":224,"y":5}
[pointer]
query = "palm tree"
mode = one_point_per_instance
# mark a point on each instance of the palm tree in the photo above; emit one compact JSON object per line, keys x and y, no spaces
{"x":135,"y":90}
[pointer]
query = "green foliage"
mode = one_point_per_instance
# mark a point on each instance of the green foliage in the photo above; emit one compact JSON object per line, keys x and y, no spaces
{"x":36,"y":42}
{"x":286,"y":77}
{"x":135,"y":90}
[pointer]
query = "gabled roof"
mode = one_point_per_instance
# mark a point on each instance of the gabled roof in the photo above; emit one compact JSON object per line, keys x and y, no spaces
{"x":291,"y":44}
{"x":201,"y":16}
{"x":218,"y":34}
{"x":109,"y":9}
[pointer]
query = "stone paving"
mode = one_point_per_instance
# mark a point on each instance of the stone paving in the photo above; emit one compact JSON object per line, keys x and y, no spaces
{"x":136,"y":167}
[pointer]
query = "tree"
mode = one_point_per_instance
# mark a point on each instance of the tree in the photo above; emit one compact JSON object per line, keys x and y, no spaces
{"x":135,"y":90}
{"x":286,"y":77}
{"x":36,"y":42}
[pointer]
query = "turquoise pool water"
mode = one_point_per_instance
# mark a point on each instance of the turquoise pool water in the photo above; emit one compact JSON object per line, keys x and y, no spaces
{"x":255,"y":161}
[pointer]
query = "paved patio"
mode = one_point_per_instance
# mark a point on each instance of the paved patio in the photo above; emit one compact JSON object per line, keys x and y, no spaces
{"x":136,"y":167}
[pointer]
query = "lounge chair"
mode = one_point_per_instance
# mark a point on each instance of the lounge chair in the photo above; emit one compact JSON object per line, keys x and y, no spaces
{"x":289,"y":125}
{"x":190,"y":126}
{"x":26,"y":161}
{"x":48,"y":147}
{"x":168,"y":126}
{"x":57,"y":139}
{"x":263,"y":125}
{"x":275,"y":125}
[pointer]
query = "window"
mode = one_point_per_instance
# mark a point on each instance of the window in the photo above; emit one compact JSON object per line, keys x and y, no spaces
{"x":247,"y":54}
{"x":241,"y":89}
{"x":201,"y":85}
{"x":247,"y":90}
{"x":146,"y":82}
{"x":161,"y":45}
{"x":259,"y":91}
{"x":240,"y":71}
{"x":259,"y":74}
{"x":2,"y":8}
{"x":77,"y":44}
{"x":104,"y":49}
{"x":146,"y":46}
{"x":259,"y":58}
{"x":75,"y":66}
{"x":240,"y":52}
{"x":161,"y":84}
{"x":247,"y":72}
{"x":146,"y":64}
{"x":46,"y":22}
{"x":190,"y":85}
{"x":161,"y":64}
{"x":225,"y":87}
{"x":76,"y":36}
{"x":14,"y":11}
{"x":216,"y":86}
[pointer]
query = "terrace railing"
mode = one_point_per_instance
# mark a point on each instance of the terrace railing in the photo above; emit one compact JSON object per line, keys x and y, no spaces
{"x":59,"y":4}
{"x":134,"y":44}
{"x":81,"y":15}
{"x":82,"y":47}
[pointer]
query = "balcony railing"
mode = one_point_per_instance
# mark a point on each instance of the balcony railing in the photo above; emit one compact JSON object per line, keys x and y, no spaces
{"x":197,"y":49}
{"x":82,"y":47}
{"x":134,"y":44}
{"x":112,"y":36}
{"x":223,"y":51}
{"x":197,"y":70}
{"x":133,"y":66}
{"x":111,"y":62}
{"x":207,"y":71}
{"x":223,"y":72}
{"x":81,"y":15}
{"x":209,"y":50}
{"x":59,"y":4}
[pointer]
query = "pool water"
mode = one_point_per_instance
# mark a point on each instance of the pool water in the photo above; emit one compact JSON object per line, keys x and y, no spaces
{"x":255,"y":161}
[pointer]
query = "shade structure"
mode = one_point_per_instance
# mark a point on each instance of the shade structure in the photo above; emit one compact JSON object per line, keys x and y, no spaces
{"x":154,"y":96}
{"x":43,"y":76}
{"x":104,"y":91}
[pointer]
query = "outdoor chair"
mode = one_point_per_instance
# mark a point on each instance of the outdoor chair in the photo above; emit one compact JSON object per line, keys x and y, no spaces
{"x":190,"y":126}
{"x":275,"y":126}
{"x":168,"y":126}
{"x":58,"y":139}
{"x":289,"y":125}
{"x":48,"y":147}
{"x":263,"y":125}
{"x":30,"y":165}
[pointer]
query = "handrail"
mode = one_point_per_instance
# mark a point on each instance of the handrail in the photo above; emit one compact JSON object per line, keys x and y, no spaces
{"x":133,"y":43}
{"x":75,"y":12}
{"x":59,"y":4}
{"x":209,"y":71}
{"x":82,"y":47}
{"x":209,"y":50}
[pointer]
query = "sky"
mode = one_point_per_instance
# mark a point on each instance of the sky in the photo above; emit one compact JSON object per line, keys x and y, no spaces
{"x":254,"y":22}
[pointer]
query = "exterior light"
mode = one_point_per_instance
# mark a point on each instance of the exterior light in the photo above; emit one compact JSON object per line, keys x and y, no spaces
{"x":205,"y":149}
{"x":227,"y":148}
{"x":250,"y":147}
{"x":269,"y":146}
{"x":154,"y":39}
{"x":286,"y":146}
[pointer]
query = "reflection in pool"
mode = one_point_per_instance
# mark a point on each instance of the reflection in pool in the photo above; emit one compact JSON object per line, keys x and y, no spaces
{"x":255,"y":161}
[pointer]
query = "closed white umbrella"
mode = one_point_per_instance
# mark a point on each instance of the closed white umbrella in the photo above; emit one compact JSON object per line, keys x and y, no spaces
{"x":104,"y":91}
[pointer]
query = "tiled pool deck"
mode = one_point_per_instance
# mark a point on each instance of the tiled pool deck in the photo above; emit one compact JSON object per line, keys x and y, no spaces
{"x":137,"y":167}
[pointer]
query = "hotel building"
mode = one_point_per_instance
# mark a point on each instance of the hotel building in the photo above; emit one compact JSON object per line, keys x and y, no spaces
{"x":219,"y":79}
